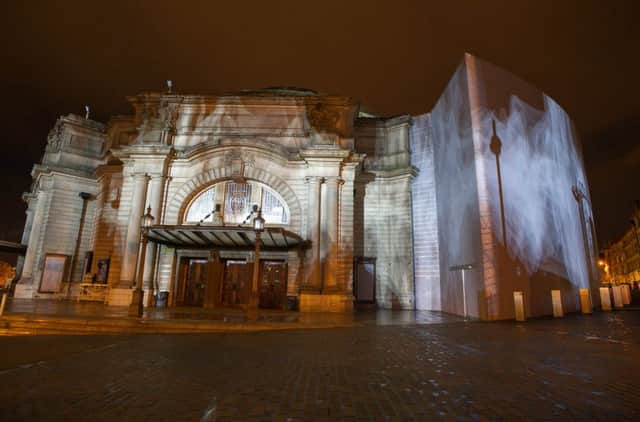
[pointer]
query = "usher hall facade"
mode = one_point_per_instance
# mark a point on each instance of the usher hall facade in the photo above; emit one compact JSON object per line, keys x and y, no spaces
{"x":452,"y":210}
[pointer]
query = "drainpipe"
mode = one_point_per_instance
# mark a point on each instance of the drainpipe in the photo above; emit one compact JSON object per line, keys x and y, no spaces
{"x":85,"y":197}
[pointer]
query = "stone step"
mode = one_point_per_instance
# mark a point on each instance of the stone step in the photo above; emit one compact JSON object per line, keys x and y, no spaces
{"x":40,"y":325}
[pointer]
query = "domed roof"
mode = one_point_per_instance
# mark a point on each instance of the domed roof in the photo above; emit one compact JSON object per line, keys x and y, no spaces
{"x":281,"y":91}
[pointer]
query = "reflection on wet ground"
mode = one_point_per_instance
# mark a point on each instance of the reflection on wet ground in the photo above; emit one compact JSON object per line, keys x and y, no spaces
{"x":581,"y":367}
{"x":70,"y":309}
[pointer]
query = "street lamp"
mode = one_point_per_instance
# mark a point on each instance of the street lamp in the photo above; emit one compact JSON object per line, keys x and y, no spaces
{"x":254,"y":298}
{"x":136,"y":307}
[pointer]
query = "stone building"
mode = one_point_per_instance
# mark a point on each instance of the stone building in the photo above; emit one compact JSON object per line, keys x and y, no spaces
{"x":452,"y":210}
{"x":622,"y":258}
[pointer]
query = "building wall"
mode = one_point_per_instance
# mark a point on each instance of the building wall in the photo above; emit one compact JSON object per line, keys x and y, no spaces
{"x":75,"y":147}
{"x":382,"y":209}
{"x":513,"y":198}
{"x":491,"y":178}
{"x":458,"y":212}
{"x":425,"y":217}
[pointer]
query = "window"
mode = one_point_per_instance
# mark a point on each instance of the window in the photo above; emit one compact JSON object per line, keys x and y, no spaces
{"x":236,"y":202}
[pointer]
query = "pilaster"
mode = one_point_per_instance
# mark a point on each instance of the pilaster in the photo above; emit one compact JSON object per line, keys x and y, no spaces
{"x":330,"y":238}
{"x":138,"y":199}
{"x":312,"y":265}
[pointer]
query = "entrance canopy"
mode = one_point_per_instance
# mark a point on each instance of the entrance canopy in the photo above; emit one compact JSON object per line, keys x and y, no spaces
{"x":12,"y":247}
{"x":224,"y":237}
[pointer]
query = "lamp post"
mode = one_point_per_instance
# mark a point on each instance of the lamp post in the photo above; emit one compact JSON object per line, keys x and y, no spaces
{"x":254,"y":298}
{"x":85,"y":197}
{"x":136,"y":307}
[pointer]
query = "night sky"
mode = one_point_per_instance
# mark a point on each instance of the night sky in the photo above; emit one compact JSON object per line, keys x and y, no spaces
{"x":395,"y":57}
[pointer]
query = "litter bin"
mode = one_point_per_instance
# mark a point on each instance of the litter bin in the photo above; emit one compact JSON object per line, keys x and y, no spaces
{"x":292,"y":303}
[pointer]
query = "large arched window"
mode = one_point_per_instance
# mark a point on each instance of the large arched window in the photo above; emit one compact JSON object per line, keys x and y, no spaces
{"x":236,"y":201}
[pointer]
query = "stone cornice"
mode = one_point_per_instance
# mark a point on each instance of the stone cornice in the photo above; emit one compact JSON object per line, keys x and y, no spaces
{"x":400,"y":173}
{"x":275,"y":152}
{"x":319,"y":153}
{"x":386,"y":122}
{"x":39,"y":169}
{"x":142,"y":151}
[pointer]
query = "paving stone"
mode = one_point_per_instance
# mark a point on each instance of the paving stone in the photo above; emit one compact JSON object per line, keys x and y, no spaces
{"x":574,"y":368}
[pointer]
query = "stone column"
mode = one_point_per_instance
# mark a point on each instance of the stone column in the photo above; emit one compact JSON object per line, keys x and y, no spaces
{"x":312,"y":282}
{"x":331,"y":238}
{"x":132,"y":244}
{"x":33,"y":244}
{"x":154,"y":200}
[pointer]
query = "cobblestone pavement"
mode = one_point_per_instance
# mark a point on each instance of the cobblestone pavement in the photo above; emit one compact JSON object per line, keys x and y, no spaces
{"x":580,"y":367}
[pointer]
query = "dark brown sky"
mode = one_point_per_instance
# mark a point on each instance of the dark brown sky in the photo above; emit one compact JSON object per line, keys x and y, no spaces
{"x":396,"y":57}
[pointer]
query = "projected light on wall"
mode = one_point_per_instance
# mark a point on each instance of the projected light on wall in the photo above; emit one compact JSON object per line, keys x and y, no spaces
{"x":512,"y":196}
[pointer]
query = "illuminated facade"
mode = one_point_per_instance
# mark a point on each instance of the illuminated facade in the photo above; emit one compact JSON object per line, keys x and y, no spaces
{"x":452,"y":210}
{"x":621,"y":259}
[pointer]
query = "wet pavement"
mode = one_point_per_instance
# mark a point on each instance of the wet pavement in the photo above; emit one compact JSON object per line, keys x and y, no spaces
{"x":93,"y":310}
{"x":397,"y":368}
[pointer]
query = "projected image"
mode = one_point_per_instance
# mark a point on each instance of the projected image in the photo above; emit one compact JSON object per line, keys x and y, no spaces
{"x":513,"y":199}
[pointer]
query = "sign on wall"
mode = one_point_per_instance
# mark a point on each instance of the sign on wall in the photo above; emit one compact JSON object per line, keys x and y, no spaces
{"x":55,"y":266}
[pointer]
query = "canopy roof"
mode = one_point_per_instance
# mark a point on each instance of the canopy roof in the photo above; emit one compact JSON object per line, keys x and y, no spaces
{"x":224,"y":237}
{"x":12,"y":247}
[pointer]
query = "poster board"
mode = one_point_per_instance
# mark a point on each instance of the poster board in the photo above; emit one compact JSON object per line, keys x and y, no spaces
{"x":53,"y":273}
{"x":102,"y":271}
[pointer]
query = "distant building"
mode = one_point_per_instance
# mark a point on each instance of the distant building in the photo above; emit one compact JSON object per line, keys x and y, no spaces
{"x":622,"y":257}
{"x":452,"y":210}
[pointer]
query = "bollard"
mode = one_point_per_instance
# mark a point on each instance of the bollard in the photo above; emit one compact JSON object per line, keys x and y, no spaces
{"x":3,"y":302}
{"x":585,"y":301}
{"x":617,"y":297}
{"x":626,"y":294}
{"x":556,"y":302}
{"x":605,"y":299}
{"x":518,"y":300}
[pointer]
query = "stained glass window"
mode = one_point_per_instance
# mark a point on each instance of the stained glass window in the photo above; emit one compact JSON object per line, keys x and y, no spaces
{"x":239,"y":199}
{"x":201,"y":209}
{"x":237,"y":202}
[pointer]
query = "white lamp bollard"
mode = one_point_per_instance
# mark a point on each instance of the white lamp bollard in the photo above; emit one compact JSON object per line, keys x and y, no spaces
{"x":585,"y":301}
{"x":518,"y":300}
{"x":605,"y":298}
{"x":556,"y":302}
{"x":617,"y":297}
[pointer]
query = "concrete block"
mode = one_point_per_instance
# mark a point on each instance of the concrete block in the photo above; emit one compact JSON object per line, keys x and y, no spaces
{"x":617,"y":296}
{"x":556,"y":302}
{"x":605,"y":299}
{"x":585,"y":301}
{"x":518,"y":300}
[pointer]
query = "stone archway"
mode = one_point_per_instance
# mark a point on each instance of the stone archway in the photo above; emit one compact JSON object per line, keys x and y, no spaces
{"x":179,"y":201}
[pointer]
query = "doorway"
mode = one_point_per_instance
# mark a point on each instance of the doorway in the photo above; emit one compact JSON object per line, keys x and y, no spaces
{"x":193,"y":283}
{"x":365,"y":281}
{"x":273,"y":289}
{"x":236,"y":284}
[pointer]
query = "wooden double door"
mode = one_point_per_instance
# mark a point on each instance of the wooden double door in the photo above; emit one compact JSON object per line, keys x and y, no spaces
{"x":273,"y":284}
{"x":235,"y":283}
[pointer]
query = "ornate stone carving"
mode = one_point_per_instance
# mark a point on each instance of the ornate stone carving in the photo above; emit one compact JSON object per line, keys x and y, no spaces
{"x":169,"y":115}
{"x":236,"y":162}
{"x":323,"y":118}
{"x":54,"y":138}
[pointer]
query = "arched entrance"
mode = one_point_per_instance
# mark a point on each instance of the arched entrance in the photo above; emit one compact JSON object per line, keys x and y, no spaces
{"x":215,"y":244}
